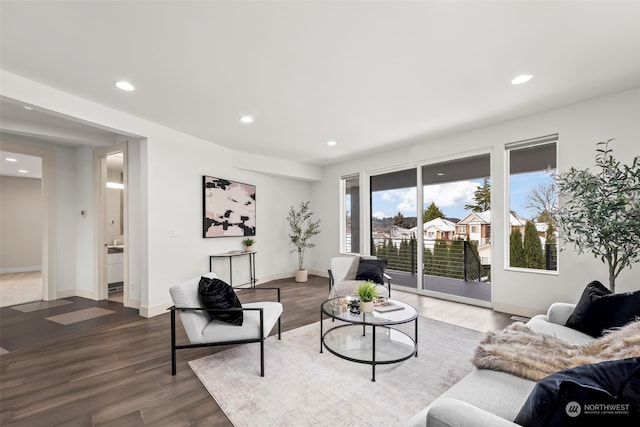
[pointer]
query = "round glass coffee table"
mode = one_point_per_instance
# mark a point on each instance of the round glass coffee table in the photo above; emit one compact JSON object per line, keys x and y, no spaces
{"x":369,"y":338}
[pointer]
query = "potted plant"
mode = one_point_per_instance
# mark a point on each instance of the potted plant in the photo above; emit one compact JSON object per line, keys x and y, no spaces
{"x":600,"y":212}
{"x":302,"y":229}
{"x":248,"y":244}
{"x":367,"y":292}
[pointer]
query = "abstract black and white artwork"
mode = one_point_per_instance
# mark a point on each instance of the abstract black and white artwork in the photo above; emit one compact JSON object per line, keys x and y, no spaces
{"x":229,"y":208}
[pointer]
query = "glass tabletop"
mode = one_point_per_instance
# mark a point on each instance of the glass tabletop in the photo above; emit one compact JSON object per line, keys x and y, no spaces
{"x":338,"y":309}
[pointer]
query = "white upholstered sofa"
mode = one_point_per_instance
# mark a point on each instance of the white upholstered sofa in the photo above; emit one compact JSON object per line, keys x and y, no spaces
{"x":493,"y":398}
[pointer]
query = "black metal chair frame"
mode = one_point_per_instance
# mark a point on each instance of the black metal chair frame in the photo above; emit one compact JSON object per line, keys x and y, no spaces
{"x":386,"y":276}
{"x":261,"y":339}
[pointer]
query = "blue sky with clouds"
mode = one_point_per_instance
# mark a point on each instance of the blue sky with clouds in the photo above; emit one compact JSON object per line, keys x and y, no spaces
{"x":452,"y":197}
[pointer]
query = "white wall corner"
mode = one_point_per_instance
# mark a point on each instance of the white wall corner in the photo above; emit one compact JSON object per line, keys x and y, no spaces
{"x":133,"y":303}
{"x":276,"y":167}
{"x":66,"y":293}
{"x":321,"y":273}
{"x":146,"y":311}
{"x":516,"y":309}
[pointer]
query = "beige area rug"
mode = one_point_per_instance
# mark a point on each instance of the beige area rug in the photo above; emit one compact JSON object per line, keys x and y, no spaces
{"x":80,"y":315}
{"x":303,"y":387}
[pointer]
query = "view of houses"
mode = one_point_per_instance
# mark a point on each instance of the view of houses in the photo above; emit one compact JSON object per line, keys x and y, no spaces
{"x":447,"y":239}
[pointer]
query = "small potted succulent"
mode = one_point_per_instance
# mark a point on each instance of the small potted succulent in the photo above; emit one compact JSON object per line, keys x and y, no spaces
{"x":367,"y":292}
{"x":248,"y":244}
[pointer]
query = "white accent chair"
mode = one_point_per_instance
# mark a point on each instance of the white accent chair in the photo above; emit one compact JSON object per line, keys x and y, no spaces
{"x":259,"y":320}
{"x":343,"y":272}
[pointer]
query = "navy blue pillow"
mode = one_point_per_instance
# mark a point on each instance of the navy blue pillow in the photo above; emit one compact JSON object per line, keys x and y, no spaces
{"x":602,"y":394}
{"x":599,"y":309}
{"x":216,"y":294}
{"x":371,"y":269}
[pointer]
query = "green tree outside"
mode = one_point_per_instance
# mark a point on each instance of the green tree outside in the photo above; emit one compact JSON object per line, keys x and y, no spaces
{"x":482,"y":197}
{"x":516,"y":250}
{"x":533,"y":256}
{"x":432,"y":212}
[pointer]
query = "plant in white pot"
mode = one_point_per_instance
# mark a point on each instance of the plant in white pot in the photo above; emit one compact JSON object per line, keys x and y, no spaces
{"x":600,"y":212}
{"x":302,"y":229}
{"x":248,"y":244}
{"x":367,"y":292}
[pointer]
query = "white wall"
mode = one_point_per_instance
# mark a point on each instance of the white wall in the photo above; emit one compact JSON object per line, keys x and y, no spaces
{"x":166,"y":168}
{"x":579,"y":127}
{"x":21,"y":207}
{"x":84,"y":226}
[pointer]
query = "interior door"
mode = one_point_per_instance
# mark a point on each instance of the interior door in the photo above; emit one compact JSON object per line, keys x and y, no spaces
{"x":112,"y":221}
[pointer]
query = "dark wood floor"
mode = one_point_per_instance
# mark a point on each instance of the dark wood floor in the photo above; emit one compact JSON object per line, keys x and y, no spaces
{"x":120,"y":375}
{"x":24,"y":329}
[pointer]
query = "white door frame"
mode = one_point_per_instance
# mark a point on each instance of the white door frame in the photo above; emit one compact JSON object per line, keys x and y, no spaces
{"x":100,"y":206}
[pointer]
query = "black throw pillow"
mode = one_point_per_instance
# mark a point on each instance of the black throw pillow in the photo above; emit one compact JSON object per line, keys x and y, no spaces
{"x":371,"y":269}
{"x":599,"y":309}
{"x":601,"y":394}
{"x":216,"y":294}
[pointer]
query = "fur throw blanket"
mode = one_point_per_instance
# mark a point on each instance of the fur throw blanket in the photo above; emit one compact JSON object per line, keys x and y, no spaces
{"x":520,"y":351}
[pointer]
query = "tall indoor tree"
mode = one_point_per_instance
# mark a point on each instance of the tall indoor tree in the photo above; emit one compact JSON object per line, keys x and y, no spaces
{"x":302,"y":228}
{"x":600,"y":210}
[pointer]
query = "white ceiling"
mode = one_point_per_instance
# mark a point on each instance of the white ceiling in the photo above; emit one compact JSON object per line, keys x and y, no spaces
{"x":369,"y":75}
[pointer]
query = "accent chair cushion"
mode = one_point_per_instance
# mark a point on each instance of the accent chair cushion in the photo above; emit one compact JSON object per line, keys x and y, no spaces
{"x":599,"y":309}
{"x":216,"y":294}
{"x":371,"y":269}
{"x":606,"y":393}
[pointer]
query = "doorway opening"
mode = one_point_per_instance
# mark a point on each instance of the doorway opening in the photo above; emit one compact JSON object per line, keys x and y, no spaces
{"x":112,"y":272}
{"x":21,"y":204}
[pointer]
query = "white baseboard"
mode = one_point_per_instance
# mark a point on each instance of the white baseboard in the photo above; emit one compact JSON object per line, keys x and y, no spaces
{"x":86,"y":293}
{"x":24,"y":269}
{"x":265,"y":279}
{"x":519,"y":310}
{"x":133,"y":303}
{"x":321,"y":273}
{"x":157,"y":310}
{"x":65,"y":293}
{"x":280,"y":276}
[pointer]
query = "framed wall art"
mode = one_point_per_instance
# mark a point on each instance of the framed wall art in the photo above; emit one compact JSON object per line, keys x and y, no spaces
{"x":229,"y":208}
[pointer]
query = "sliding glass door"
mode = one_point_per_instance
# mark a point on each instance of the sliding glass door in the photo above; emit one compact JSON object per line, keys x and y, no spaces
{"x":393,"y":224}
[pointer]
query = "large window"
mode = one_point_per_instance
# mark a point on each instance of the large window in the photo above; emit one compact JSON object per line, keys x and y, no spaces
{"x":532,"y":199}
{"x":351,"y":214}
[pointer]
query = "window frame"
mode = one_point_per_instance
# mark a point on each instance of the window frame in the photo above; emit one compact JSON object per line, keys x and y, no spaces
{"x":508,"y":148}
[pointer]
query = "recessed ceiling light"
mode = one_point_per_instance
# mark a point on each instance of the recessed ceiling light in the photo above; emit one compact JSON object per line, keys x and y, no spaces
{"x":246,"y":119}
{"x":26,"y":107}
{"x":440,"y":174}
{"x":522,"y":78}
{"x":331,"y":143}
{"x":11,"y":159}
{"x":125,"y":86}
{"x":115,"y":185}
{"x":23,"y":171}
